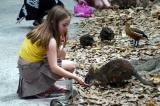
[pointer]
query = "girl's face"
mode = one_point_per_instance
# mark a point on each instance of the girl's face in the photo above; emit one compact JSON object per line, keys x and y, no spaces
{"x":63,"y":25}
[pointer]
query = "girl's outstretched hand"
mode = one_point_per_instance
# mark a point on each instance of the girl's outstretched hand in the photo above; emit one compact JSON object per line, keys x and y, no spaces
{"x":81,"y":82}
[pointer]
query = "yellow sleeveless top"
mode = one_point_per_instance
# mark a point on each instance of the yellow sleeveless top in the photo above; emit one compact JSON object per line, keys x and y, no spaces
{"x":31,"y":52}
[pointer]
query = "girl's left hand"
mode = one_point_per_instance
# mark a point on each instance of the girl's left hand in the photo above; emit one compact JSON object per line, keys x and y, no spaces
{"x":61,"y":47}
{"x":81,"y":82}
{"x":64,"y":40}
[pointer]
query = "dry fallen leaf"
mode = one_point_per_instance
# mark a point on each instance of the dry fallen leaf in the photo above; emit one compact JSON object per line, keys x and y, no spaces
{"x":156,"y":79}
{"x":134,"y":93}
{"x":151,"y":103}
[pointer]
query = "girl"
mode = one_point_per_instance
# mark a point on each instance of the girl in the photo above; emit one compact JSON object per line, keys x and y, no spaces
{"x":37,"y":76}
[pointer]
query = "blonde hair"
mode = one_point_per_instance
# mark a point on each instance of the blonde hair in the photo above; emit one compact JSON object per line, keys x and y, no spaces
{"x":49,"y":28}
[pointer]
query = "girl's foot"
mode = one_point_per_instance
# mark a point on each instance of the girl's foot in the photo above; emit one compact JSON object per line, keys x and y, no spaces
{"x":52,"y":90}
{"x":56,"y":89}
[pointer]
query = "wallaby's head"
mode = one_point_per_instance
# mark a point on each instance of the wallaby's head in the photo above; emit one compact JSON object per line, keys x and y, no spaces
{"x":90,"y":77}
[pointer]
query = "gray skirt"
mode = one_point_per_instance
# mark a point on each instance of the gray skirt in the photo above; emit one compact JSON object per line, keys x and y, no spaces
{"x":35,"y":78}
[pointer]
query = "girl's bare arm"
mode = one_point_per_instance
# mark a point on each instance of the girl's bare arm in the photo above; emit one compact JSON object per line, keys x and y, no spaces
{"x":52,"y":60}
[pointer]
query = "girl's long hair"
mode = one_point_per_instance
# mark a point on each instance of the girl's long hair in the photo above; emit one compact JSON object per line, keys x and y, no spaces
{"x":49,"y":28}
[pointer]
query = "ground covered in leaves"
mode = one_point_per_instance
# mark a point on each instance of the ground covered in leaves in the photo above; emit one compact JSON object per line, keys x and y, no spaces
{"x":134,"y":93}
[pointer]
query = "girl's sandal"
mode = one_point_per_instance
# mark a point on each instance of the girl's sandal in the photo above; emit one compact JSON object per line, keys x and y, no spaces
{"x":49,"y":92}
{"x":56,"y":89}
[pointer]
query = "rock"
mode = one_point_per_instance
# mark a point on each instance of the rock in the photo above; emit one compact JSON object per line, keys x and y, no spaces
{"x":147,"y":64}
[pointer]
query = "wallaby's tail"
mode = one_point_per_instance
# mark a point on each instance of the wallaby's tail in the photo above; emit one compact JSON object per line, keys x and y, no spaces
{"x":139,"y":77}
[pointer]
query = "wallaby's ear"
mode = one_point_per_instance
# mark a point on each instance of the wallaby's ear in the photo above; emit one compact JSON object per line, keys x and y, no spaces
{"x":92,"y":68}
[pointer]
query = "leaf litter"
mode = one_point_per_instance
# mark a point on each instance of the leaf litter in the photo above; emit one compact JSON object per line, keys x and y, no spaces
{"x":134,"y":93}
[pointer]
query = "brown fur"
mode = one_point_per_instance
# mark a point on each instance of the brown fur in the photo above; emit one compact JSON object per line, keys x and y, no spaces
{"x":116,"y":71}
{"x":86,"y":40}
{"x":106,"y":34}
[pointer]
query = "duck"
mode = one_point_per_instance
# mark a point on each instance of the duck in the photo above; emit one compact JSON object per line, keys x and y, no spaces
{"x":135,"y":33}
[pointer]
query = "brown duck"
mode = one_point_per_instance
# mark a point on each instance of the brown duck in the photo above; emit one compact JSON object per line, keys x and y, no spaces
{"x":134,"y":33}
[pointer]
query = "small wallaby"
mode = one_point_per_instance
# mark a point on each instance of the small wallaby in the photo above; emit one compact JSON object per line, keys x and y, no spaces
{"x":115,"y":71}
{"x":86,"y":40}
{"x":106,"y":34}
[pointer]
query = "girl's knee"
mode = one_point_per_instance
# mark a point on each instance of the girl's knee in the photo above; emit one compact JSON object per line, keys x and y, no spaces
{"x":68,"y":65}
{"x":72,"y":67}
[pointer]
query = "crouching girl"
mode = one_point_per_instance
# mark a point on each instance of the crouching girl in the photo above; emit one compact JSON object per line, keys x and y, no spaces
{"x":41,"y":57}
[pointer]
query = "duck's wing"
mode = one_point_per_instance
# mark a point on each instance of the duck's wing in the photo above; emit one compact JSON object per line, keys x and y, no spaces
{"x":138,"y":32}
